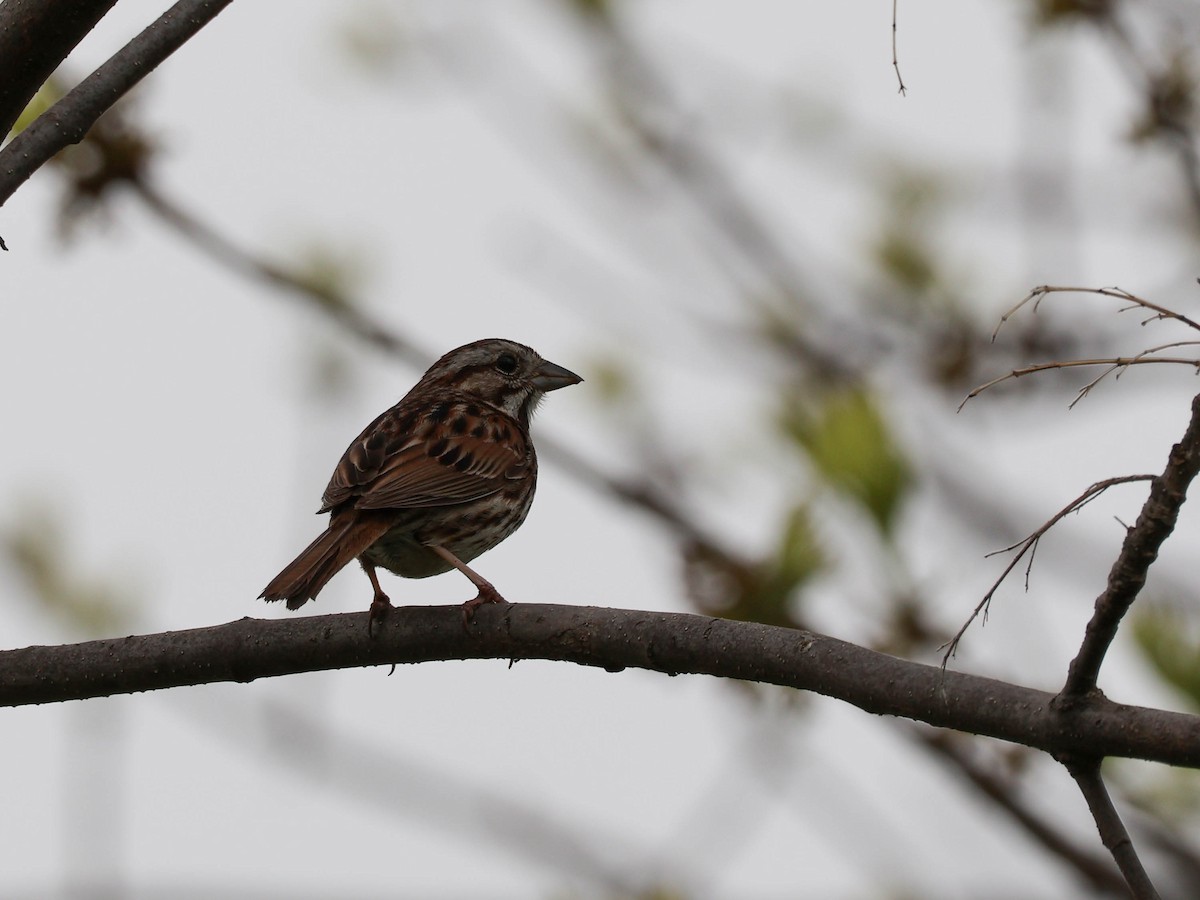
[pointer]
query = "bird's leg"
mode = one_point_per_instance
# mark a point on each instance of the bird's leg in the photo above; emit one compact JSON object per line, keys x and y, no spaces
{"x":380,"y":604}
{"x":487,"y":593}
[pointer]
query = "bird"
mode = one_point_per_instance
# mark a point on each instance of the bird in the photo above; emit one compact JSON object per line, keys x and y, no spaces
{"x":443,"y":476}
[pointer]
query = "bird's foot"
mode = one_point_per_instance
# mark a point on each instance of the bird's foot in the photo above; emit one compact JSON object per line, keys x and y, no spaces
{"x":380,"y":607}
{"x":487,"y":594}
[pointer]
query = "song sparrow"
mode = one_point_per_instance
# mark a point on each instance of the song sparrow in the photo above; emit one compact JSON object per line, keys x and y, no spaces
{"x":441,"y":477}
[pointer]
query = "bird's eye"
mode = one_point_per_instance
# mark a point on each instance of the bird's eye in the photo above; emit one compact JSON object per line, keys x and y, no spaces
{"x":507,"y":363}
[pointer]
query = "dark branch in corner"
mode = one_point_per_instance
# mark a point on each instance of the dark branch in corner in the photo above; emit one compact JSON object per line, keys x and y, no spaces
{"x":613,"y":639}
{"x":1138,"y":552}
{"x":1112,"y":830}
{"x":68,"y":120}
{"x":35,"y":36}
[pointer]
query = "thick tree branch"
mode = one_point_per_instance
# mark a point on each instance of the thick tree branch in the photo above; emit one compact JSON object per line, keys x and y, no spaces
{"x":35,"y":36}
{"x":68,"y":120}
{"x":613,"y":639}
{"x":1128,"y":575}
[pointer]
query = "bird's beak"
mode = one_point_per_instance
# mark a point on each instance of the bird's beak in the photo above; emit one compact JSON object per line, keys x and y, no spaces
{"x":551,"y":377}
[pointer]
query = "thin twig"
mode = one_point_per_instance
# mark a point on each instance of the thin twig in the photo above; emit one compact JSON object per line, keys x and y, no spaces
{"x":1154,"y":525}
{"x":1029,"y":545}
{"x":1113,"y":833}
{"x":895,"y":59}
{"x":1120,"y":369}
{"x":1039,"y":293}
{"x":68,"y":120}
{"x":1113,"y":362}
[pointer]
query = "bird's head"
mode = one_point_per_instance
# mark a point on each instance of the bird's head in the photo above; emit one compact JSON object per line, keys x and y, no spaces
{"x":502,"y":373}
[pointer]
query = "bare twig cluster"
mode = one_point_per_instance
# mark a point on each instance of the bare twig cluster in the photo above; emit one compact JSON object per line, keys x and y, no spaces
{"x":1140,"y":549}
{"x":1117,"y":364}
{"x":1029,"y":545}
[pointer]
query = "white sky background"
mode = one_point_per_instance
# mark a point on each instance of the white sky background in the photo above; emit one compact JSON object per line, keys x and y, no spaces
{"x":165,"y":404}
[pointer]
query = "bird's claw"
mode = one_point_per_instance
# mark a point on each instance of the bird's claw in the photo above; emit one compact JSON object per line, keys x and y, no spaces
{"x":380,"y":607}
{"x":487,"y":594}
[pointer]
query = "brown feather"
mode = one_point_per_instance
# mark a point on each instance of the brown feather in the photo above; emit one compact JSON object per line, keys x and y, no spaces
{"x":400,"y":462}
{"x":413,"y":479}
{"x":347,"y":537}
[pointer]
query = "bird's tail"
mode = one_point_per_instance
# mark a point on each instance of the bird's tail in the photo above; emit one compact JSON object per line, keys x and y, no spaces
{"x":302,"y":579}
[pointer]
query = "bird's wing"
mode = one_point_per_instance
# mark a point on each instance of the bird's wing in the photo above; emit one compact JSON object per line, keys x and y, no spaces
{"x":406,"y":460}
